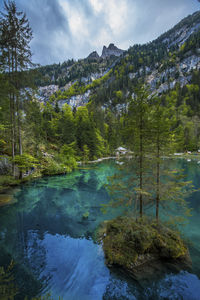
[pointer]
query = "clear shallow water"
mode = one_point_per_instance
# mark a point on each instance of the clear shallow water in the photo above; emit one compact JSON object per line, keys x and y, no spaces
{"x":45,"y":233}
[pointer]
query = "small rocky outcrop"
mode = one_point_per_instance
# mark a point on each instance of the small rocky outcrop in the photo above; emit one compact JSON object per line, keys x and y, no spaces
{"x":5,"y":165}
{"x":143,"y":249}
{"x":111,"y":50}
{"x":93,"y":55}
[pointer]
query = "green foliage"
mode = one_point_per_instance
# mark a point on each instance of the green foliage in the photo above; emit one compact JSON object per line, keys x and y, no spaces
{"x":68,"y":150}
{"x":75,"y":89}
{"x":119,"y":95}
{"x":68,"y":155}
{"x":86,"y":215}
{"x":7,"y":180}
{"x":86,"y":153}
{"x":151,"y":131}
{"x":51,"y":167}
{"x":66,"y":125}
{"x":79,"y":88}
{"x":87,"y":134}
{"x":100,"y":127}
{"x":123,"y":189}
{"x":16,"y":35}
{"x":138,"y":135}
{"x":25,"y":161}
{"x":60,"y":163}
{"x":8,"y":289}
{"x":68,"y":71}
{"x":128,"y":241}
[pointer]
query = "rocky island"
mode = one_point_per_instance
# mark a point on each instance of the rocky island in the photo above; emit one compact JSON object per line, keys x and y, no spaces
{"x":143,"y":249}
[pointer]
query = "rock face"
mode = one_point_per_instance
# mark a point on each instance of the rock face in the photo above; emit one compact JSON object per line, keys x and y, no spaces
{"x":93,"y":55}
{"x":143,"y":249}
{"x":111,"y":50}
{"x":5,"y":165}
{"x":44,"y":92}
{"x":76,"y":100}
{"x":183,"y":33}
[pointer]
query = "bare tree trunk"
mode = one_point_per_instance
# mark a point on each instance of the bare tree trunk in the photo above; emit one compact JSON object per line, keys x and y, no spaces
{"x":158,"y":179}
{"x":18,"y":106}
{"x":141,"y":166}
{"x":18,"y":129}
{"x":12,"y":107}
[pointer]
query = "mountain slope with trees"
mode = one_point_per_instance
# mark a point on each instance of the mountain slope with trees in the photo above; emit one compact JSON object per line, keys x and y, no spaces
{"x":147,"y":99}
{"x":48,"y":130}
{"x":170,"y":61}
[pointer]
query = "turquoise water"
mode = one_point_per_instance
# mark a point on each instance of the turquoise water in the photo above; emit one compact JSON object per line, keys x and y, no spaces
{"x":50,"y":241}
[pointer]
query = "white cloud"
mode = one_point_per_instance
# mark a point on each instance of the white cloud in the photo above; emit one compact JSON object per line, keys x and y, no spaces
{"x":97,"y":5}
{"x":112,"y":15}
{"x":117,"y":12}
{"x":73,"y":28}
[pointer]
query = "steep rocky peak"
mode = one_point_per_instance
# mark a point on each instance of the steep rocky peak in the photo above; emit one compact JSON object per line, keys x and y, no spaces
{"x":182,"y":31}
{"x":111,"y":50}
{"x":93,"y":55}
{"x":112,"y":47}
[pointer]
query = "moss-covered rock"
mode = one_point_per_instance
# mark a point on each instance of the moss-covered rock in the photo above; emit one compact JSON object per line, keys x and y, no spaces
{"x":143,"y":248}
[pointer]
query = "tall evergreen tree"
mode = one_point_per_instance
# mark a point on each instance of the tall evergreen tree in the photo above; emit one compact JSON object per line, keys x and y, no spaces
{"x":167,"y":136}
{"x":138,"y":130}
{"x":162,"y":137}
{"x":135,"y":188}
{"x":15,"y":56}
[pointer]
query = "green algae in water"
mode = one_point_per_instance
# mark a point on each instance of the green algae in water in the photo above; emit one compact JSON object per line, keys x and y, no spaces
{"x":6,"y":199}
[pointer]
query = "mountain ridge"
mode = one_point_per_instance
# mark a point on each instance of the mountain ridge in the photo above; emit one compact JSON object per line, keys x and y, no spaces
{"x":161,"y":64}
{"x":106,"y":52}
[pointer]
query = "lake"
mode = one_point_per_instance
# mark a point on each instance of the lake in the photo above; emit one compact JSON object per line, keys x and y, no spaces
{"x":48,"y":233}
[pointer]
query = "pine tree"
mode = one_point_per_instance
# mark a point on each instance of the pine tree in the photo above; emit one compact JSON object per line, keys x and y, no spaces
{"x":138,"y":130}
{"x":151,"y":133}
{"x":16,"y":35}
{"x":162,"y":138}
{"x":126,"y":189}
{"x":167,"y":135}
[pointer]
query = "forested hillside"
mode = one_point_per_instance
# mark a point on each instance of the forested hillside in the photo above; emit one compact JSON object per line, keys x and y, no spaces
{"x":53,"y":116}
{"x":122,"y":131}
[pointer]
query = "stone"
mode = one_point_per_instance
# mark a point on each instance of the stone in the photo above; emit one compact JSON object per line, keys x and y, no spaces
{"x":111,"y":50}
{"x":143,"y":248}
{"x":5,"y":165}
{"x":93,"y":55}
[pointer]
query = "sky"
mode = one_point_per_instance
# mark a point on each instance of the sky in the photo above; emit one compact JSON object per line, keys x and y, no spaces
{"x":65,"y":29}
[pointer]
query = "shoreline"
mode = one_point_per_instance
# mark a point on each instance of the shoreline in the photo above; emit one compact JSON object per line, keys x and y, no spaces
{"x":16,"y":182}
{"x":96,"y":161}
{"x":4,"y":190}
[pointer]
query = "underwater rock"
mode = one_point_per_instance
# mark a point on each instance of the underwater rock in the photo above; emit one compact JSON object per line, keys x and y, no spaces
{"x":143,"y":249}
{"x":85,"y":215}
{"x":7,"y":198}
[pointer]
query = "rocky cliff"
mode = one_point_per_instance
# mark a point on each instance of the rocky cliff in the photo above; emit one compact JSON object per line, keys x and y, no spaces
{"x":93,"y":55}
{"x":111,"y":50}
{"x":171,"y":60}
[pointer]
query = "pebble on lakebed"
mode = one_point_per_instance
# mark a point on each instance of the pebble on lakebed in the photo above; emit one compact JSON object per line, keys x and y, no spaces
{"x":143,"y":249}
{"x":7,"y":198}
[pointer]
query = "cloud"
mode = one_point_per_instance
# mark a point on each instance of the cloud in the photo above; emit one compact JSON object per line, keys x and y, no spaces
{"x":50,"y":29}
{"x":66,"y":29}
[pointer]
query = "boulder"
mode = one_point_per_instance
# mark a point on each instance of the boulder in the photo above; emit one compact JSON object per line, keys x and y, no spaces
{"x":143,"y":249}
